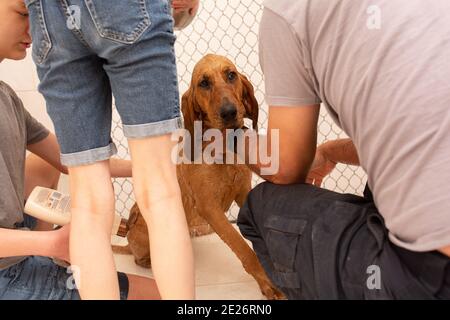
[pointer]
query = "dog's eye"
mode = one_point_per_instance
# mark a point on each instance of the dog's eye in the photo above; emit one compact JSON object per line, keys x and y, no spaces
{"x":204,"y":84}
{"x":232,"y":76}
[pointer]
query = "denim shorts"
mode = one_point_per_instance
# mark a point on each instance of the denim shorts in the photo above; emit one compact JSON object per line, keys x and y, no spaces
{"x":86,"y":52}
{"x":39,"y":278}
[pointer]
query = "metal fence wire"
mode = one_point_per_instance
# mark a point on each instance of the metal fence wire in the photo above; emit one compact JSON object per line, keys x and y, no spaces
{"x":230,"y":28}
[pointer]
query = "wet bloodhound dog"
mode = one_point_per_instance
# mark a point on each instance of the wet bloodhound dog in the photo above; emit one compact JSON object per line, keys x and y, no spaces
{"x":221,"y":98}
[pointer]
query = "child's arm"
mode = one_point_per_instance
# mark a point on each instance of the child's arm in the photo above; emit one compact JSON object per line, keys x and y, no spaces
{"x":35,"y":243}
{"x":48,"y":149}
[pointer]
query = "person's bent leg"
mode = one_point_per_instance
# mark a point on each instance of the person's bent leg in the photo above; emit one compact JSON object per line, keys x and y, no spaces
{"x":159,"y":198}
{"x":252,"y":222}
{"x":38,"y":278}
{"x":319,"y":244}
{"x":296,"y":232}
{"x":39,"y":172}
{"x":92,"y":209}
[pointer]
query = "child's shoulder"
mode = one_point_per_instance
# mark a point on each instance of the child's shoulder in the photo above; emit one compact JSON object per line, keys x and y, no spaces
{"x":8,"y":97}
{"x":6,"y":89}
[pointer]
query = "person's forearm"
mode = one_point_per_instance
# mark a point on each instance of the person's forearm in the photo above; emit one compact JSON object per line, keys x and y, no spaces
{"x":341,"y":151}
{"x":26,"y":243}
{"x":120,"y":168}
{"x":259,"y":165}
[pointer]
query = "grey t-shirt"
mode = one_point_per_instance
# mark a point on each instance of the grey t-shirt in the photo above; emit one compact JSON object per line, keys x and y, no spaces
{"x":17,"y":130}
{"x":381,"y":67}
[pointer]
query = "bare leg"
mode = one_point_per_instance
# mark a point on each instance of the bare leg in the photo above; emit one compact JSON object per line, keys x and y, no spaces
{"x":142,"y":288}
{"x":92,"y":208}
{"x":159,"y":198}
{"x":40,"y":173}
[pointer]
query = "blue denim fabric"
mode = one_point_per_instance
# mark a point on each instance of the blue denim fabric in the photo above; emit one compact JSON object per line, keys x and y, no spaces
{"x":86,"y":52}
{"x":39,"y":278}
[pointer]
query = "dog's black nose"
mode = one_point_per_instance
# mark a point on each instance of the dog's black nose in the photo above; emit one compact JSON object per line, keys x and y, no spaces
{"x":228,"y":112}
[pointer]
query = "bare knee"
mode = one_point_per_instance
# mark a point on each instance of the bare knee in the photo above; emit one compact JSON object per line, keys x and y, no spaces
{"x":154,"y":190}
{"x":93,"y":197}
{"x":154,"y":174}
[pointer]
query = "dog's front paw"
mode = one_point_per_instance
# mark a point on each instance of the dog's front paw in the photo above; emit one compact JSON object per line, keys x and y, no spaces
{"x":272,"y":293}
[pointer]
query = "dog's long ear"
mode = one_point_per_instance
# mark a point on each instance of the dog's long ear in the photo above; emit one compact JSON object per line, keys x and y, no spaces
{"x":249,"y":100}
{"x":134,"y":215}
{"x":190,"y":110}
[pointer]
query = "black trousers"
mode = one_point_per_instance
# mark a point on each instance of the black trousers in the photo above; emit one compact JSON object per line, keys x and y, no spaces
{"x":318,"y":244}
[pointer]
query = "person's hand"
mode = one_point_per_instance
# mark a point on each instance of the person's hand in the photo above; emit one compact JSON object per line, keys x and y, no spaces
{"x":61,"y":243}
{"x":192,"y":5}
{"x":320,"y":168}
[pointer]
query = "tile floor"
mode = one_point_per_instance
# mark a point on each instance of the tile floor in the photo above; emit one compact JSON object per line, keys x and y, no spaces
{"x":219,"y":273}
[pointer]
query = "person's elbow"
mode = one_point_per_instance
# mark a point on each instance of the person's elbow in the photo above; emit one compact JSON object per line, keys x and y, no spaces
{"x":286,"y":178}
{"x":63,"y":169}
{"x":289,"y":174}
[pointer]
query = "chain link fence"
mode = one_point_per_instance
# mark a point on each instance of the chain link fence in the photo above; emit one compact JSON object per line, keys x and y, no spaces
{"x":230,"y":28}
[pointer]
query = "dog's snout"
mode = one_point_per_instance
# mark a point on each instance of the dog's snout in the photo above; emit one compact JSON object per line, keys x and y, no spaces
{"x":228,"y":112}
